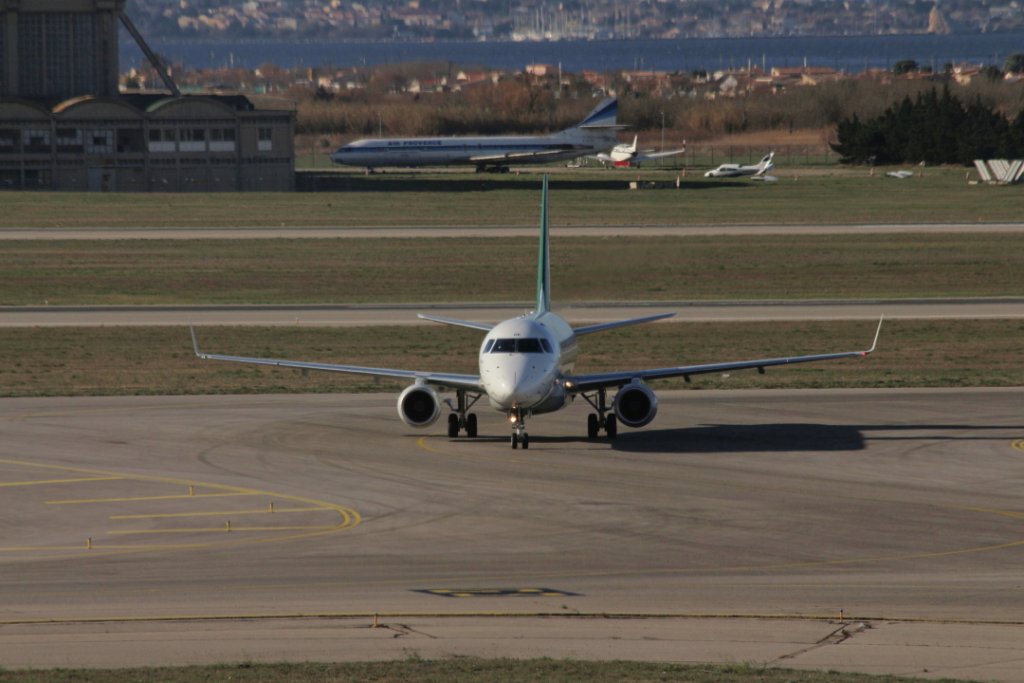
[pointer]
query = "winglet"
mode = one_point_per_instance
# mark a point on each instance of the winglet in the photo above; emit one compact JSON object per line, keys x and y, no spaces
{"x":543,"y":256}
{"x":877,"y":332}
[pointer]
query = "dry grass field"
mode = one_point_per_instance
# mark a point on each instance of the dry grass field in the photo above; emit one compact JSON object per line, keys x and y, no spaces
{"x":160,"y":360}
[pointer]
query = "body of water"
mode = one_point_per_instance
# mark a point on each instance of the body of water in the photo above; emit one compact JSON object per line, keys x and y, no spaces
{"x":848,"y":53}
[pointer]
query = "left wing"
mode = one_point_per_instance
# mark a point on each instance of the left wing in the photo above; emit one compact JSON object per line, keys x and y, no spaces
{"x":581,"y":383}
{"x":647,"y":156}
{"x":514,"y":156}
{"x":455,"y":381}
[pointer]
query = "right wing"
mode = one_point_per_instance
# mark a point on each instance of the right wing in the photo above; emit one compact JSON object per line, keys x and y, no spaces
{"x":591,"y":382}
{"x":455,"y":381}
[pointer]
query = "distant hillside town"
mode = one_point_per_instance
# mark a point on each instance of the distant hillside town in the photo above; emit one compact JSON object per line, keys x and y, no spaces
{"x":522,"y":20}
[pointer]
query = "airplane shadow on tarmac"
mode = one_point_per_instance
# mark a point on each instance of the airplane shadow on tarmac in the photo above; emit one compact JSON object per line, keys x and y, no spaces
{"x":768,"y":438}
{"x":797,"y":437}
{"x":762,"y":438}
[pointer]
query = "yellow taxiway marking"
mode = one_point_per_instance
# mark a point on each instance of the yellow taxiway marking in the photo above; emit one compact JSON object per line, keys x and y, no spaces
{"x":186,"y":496}
{"x":349,"y":518}
{"x":992,"y":511}
{"x":1018,"y":444}
{"x":224,"y":530}
{"x":222,"y":513}
{"x":422,"y":443}
{"x":41,"y":482}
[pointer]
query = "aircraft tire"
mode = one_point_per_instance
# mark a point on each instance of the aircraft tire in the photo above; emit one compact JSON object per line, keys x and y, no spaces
{"x":592,"y":426}
{"x":453,"y":425}
{"x":611,"y":427}
{"x":471,"y":425}
{"x":515,"y":441}
{"x":526,"y":441}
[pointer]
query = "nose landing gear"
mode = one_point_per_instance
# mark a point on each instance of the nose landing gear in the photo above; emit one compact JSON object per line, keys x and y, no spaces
{"x":519,"y":435}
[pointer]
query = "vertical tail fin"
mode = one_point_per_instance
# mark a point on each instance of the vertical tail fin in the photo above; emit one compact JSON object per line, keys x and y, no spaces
{"x":543,"y":256}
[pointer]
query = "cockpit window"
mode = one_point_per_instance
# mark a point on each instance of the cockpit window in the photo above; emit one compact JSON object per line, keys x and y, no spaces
{"x":529,"y":345}
{"x":488,"y":345}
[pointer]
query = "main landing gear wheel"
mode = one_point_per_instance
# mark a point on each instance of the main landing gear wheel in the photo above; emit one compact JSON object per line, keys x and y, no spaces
{"x":461,"y":419}
{"x":602,"y":419}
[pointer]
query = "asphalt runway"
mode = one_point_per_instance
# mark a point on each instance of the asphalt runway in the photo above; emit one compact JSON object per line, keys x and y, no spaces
{"x":876,"y":531}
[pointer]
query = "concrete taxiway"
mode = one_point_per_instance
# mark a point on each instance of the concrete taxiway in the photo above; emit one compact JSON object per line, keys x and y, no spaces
{"x":405,"y":314}
{"x":875,"y":531}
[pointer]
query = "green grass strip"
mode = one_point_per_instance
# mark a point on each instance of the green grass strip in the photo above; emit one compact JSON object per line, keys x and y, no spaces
{"x":288,"y":271}
{"x":825,"y":196}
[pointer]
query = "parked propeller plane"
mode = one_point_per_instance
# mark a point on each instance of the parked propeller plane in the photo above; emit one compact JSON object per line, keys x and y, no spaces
{"x":526,"y":368}
{"x":757,"y":170}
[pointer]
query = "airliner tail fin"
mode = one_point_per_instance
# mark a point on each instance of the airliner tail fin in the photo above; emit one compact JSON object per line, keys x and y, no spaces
{"x":543,"y":256}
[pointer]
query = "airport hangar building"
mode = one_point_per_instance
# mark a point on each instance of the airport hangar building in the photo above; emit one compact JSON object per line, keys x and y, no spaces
{"x":65,"y":126}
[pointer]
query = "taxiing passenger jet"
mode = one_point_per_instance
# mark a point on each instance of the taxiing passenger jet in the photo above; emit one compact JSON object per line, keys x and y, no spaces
{"x":526,"y":369}
{"x":595,"y":133}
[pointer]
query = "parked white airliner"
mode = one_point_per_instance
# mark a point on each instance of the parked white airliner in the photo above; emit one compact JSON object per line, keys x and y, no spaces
{"x":595,"y":133}
{"x":526,"y":368}
{"x":626,"y":155}
{"x":757,"y":170}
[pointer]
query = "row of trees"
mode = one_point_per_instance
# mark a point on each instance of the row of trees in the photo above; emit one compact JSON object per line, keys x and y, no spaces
{"x":933,"y":128}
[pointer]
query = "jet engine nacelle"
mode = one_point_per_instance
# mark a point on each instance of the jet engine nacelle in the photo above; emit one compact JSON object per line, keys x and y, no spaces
{"x":419,"y":406}
{"x":635,"y":405}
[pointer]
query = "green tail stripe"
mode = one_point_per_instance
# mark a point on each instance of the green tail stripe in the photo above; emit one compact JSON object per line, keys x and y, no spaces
{"x":544,"y":255}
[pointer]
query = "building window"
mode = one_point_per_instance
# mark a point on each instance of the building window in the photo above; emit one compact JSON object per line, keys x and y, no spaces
{"x":222,"y":139}
{"x":129,"y":140}
{"x":162,"y":140}
{"x":69,"y":141}
{"x":99,"y":142}
{"x":36,"y":140}
{"x":192,"y":140}
{"x":265,"y":142}
{"x":8,"y":140}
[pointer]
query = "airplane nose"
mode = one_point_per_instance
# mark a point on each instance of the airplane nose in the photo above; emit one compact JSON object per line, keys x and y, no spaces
{"x":521,"y":389}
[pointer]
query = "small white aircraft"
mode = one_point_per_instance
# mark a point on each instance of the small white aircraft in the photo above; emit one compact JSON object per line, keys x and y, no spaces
{"x":595,"y":133}
{"x":758,"y":170}
{"x":626,"y":155}
{"x":526,"y":368}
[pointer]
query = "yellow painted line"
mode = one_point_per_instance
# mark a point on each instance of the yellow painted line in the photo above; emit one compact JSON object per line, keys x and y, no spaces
{"x":992,"y":511}
{"x":264,"y":511}
{"x":86,"y":501}
{"x":422,"y":443}
{"x":225,"y":530}
{"x":349,"y":518}
{"x":36,"y":548}
{"x":1018,"y":444}
{"x":41,"y":482}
